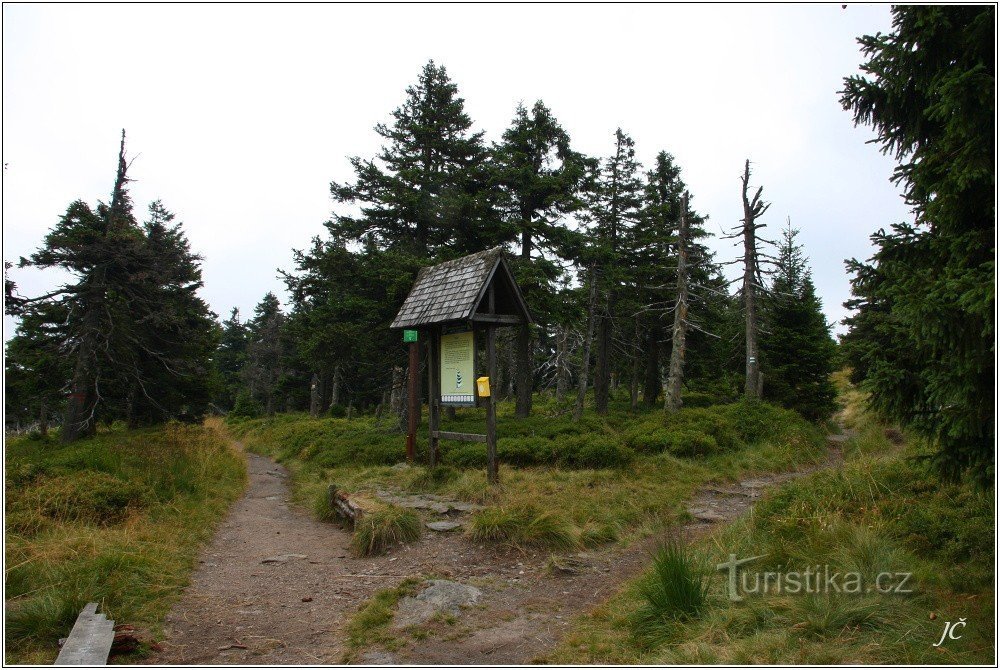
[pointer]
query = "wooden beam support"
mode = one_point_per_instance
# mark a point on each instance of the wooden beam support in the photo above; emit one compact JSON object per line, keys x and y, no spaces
{"x":413,"y":399}
{"x":502,"y":319}
{"x":434,"y":393}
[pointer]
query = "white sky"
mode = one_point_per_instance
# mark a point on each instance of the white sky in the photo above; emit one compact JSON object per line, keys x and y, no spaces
{"x":241,"y":116}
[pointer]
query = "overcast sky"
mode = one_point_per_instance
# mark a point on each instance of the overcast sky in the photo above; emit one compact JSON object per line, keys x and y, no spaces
{"x":239,"y":117}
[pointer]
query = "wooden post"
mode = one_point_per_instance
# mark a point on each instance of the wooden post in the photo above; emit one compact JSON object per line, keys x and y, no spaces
{"x":492,"y":471}
{"x":413,"y":399}
{"x":433,"y":393}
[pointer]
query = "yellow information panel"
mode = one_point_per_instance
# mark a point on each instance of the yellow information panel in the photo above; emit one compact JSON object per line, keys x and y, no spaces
{"x":457,"y":356}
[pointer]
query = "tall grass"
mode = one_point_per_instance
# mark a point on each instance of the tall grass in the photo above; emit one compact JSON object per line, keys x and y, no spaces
{"x":115,"y":519}
{"x":674,"y":591}
{"x":384,"y":528}
{"x":523,"y":526}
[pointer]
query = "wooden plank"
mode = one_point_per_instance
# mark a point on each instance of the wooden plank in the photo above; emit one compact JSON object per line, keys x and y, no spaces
{"x":461,"y":437}
{"x":90,"y":640}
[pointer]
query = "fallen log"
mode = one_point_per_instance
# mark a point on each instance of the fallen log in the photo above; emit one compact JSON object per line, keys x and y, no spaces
{"x":342,"y":505}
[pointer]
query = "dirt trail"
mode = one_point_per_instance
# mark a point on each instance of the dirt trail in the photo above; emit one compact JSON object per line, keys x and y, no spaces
{"x":277,"y":587}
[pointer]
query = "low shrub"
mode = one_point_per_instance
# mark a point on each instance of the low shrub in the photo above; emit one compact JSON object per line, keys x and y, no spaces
{"x":384,"y":528}
{"x":689,"y":443}
{"x":649,"y":441}
{"x":337,"y":411}
{"x":593,"y":451}
{"x":246,"y":407}
{"x":713,"y":422}
{"x":698,"y":399}
{"x":466,"y":455}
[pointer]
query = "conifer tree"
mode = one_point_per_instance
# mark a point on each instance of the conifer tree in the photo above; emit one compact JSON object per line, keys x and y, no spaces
{"x":266,"y":352}
{"x":231,"y":358}
{"x":613,"y":209}
{"x":133,"y":335}
{"x":797,"y":350}
{"x":538,"y":175}
{"x":924,"y":335}
{"x":653,"y":257}
{"x":425,"y":192}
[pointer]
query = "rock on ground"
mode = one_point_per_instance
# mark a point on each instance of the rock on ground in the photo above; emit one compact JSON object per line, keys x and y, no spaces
{"x":439,"y":596}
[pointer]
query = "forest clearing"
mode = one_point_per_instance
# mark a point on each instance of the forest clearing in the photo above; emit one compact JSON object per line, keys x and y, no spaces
{"x":522,"y":398}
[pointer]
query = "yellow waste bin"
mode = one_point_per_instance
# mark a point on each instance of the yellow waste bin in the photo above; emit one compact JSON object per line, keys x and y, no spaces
{"x":483,"y":384}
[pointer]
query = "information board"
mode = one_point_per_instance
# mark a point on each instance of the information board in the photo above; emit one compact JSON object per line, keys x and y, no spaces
{"x":458,"y":352}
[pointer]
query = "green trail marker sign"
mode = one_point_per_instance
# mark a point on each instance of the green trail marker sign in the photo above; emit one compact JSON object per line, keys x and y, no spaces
{"x":409,"y":336}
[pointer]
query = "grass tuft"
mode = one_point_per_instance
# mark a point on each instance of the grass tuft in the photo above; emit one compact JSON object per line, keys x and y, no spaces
{"x":383,"y":529}
{"x":674,"y":591}
{"x":523,"y":526}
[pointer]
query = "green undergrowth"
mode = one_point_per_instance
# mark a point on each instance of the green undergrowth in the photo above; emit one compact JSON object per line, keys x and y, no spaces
{"x":603,"y":479}
{"x":882,"y":513}
{"x":116,"y":519}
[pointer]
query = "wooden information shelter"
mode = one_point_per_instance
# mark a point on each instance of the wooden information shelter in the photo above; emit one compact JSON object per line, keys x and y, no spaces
{"x":454,"y":306}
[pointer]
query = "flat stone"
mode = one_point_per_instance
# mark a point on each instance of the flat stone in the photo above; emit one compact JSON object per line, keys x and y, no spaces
{"x":440,"y":596}
{"x":283,"y":558}
{"x":706,"y":515}
{"x":443,"y":526}
{"x":464,"y":507}
{"x":440,"y":508}
{"x":379,"y":658}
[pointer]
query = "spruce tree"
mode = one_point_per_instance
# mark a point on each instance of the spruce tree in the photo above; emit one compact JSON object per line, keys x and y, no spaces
{"x":132,"y":333}
{"x":538,"y":175}
{"x":924,"y":335}
{"x":797,"y":350}
{"x":425,"y":192}
{"x":231,"y":358}
{"x":614,"y":207}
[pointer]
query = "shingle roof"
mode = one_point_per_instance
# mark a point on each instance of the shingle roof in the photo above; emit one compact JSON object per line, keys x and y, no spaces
{"x":447,"y":292}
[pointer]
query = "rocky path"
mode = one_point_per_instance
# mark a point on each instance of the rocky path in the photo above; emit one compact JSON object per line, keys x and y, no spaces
{"x":277,"y":587}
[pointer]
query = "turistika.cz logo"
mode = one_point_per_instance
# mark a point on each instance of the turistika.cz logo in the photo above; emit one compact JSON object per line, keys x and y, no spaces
{"x":814,"y":579}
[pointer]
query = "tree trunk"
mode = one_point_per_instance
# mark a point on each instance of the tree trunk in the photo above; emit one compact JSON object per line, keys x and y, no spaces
{"x":602,"y":371}
{"x":636,"y":367}
{"x":524,"y":370}
{"x":587,"y":339}
{"x":562,"y":368}
{"x":652,"y":382}
{"x":314,"y":396}
{"x":675,"y":380}
{"x":43,"y":419}
{"x":335,"y":387}
{"x":752,"y":210}
{"x":78,"y":420}
{"x":398,"y":397}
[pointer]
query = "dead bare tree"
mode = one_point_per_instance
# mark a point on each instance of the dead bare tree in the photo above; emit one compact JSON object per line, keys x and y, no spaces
{"x":675,"y":379}
{"x":753,"y":209}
